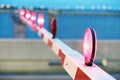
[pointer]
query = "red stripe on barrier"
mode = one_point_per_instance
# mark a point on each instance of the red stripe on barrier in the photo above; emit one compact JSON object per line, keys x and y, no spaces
{"x":50,"y":43}
{"x":62,"y":56}
{"x":80,"y":75}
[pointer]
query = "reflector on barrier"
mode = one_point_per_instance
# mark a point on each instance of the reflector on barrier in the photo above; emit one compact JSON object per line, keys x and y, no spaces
{"x":40,"y":20}
{"x":53,"y":27}
{"x":22,"y":12}
{"x":28,"y":14}
{"x":33,"y":17}
{"x":89,"y":46}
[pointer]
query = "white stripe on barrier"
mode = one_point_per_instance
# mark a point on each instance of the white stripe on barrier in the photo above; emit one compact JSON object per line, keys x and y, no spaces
{"x":70,"y":67}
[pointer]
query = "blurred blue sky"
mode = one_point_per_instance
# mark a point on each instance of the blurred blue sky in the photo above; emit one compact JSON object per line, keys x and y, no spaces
{"x":65,"y":4}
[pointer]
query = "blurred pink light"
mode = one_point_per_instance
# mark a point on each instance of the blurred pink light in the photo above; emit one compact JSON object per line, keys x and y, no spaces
{"x":22,"y":12}
{"x":28,"y":15}
{"x":87,"y":46}
{"x":40,"y":20}
{"x":33,"y":17}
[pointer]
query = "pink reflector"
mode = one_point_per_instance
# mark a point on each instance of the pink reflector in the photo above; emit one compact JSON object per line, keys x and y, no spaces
{"x":40,"y":20}
{"x":89,"y":46}
{"x":33,"y":16}
{"x":28,"y":15}
{"x":22,"y":12}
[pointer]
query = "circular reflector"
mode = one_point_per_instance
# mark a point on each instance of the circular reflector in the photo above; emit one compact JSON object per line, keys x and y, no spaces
{"x":28,"y":14}
{"x":33,"y":17}
{"x":53,"y":27}
{"x":40,"y":20}
{"x":89,"y":46}
{"x":22,"y":12}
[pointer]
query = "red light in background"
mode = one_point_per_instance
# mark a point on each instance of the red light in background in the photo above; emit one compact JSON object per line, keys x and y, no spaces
{"x":40,"y":20}
{"x":89,"y":46}
{"x":53,"y":27}
{"x":33,"y":17}
{"x":28,"y":15}
{"x":22,"y":12}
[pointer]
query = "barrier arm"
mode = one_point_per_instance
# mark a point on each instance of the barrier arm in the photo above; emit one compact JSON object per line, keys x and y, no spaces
{"x":71,"y":60}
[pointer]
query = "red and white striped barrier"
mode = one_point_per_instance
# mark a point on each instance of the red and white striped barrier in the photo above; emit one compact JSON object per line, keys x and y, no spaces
{"x":71,"y":60}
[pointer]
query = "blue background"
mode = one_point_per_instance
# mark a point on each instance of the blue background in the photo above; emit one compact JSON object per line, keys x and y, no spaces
{"x":102,"y":15}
